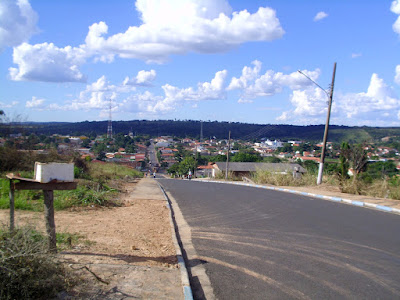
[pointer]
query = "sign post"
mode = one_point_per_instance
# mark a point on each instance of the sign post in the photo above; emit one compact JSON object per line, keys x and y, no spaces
{"x":19,"y":183}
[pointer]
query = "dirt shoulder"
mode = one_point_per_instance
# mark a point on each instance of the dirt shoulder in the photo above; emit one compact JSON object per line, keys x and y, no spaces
{"x":334,"y":191}
{"x":125,"y":252}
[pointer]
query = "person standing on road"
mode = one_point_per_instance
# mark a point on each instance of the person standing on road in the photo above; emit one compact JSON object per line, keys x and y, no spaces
{"x":190,"y":175}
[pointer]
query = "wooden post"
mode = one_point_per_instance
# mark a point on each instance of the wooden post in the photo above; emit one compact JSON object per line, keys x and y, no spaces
{"x":48,"y":189}
{"x":12,"y":205}
{"x":49,"y":216}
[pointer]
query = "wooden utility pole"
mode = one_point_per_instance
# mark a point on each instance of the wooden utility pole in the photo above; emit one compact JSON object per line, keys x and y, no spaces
{"x":227,"y":156}
{"x":321,"y":164}
{"x":12,"y":205}
{"x":49,"y":217}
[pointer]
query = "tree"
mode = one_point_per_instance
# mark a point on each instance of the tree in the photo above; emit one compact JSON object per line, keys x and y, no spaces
{"x":311,"y":166}
{"x":174,"y":169}
{"x":85,"y":143}
{"x":286,"y":148}
{"x":381,"y":169}
{"x":357,"y":157}
{"x":302,"y":147}
{"x":31,"y":141}
{"x":217,"y":158}
{"x":101,"y":156}
{"x":246,"y":157}
{"x":272,"y":159}
{"x":189,"y":163}
{"x":343,"y":161}
{"x":99,"y":147}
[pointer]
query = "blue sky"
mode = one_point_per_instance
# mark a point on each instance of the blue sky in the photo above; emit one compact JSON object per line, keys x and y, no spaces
{"x":204,"y":60}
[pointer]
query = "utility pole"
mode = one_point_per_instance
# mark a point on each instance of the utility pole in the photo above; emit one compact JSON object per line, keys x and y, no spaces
{"x":321,"y":164}
{"x":330,"y":96}
{"x":227,"y":156}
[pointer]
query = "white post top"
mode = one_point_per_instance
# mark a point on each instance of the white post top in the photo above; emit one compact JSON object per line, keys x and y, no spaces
{"x":46,"y":172}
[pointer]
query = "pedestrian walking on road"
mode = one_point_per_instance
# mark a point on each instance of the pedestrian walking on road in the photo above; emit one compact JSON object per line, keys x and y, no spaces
{"x":154,"y":175}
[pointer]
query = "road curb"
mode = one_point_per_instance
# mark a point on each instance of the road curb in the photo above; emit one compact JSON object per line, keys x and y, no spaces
{"x":330,"y":198}
{"x":187,"y":290}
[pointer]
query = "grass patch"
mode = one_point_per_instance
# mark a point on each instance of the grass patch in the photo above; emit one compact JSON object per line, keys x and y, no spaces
{"x":67,"y":240}
{"x":109,"y":171}
{"x":98,"y":188}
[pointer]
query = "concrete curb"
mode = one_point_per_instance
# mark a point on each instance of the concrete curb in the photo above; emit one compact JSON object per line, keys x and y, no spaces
{"x":330,"y":198}
{"x":187,"y":290}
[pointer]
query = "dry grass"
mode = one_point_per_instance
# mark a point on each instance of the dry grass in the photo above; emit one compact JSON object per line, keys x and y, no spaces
{"x":265,"y":177}
{"x":381,"y":188}
{"x":27,"y":270}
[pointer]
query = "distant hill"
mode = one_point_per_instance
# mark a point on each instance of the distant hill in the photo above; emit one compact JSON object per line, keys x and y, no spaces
{"x":218,"y":129}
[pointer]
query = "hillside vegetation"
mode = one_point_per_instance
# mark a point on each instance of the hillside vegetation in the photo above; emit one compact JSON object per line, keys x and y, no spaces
{"x":220,"y":130}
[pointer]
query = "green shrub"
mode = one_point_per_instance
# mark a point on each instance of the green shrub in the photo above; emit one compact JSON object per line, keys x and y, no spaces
{"x":87,"y":193}
{"x":27,"y":271}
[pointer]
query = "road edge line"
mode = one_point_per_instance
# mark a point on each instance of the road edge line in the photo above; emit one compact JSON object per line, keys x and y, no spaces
{"x":187,"y":289}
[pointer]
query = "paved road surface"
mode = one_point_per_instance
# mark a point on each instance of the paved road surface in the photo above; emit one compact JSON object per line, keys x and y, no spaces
{"x":261,"y":244}
{"x":152,"y":155}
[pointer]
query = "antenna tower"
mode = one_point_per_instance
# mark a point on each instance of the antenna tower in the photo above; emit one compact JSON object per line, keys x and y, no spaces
{"x":109,"y":127}
{"x":201,"y":132}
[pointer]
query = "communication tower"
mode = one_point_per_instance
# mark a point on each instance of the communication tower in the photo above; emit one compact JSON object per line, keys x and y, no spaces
{"x":201,"y":132}
{"x":109,"y":127}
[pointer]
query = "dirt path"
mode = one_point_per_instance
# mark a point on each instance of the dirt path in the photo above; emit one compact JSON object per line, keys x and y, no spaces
{"x":128,"y":248}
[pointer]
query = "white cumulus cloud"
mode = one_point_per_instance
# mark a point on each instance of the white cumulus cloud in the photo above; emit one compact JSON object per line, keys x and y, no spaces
{"x":143,"y":78}
{"x":310,"y":105}
{"x":96,"y":96}
{"x":395,"y":8}
{"x":8,"y":105}
{"x":35,"y":103}
{"x":47,"y":62}
{"x":167,"y":28}
{"x":378,"y":106}
{"x":397,"y":76}
{"x":175,"y":97}
{"x":254,"y":85}
{"x":319,"y":16}
{"x":17,"y":22}
{"x":178,"y":27}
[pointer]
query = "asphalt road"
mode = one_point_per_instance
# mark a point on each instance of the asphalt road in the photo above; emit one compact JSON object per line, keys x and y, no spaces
{"x":262,"y":244}
{"x":152,"y":155}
